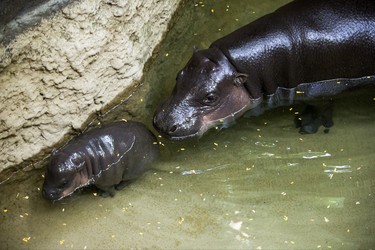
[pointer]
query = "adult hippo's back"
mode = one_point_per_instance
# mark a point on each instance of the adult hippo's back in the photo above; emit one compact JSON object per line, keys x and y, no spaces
{"x":303,"y":50}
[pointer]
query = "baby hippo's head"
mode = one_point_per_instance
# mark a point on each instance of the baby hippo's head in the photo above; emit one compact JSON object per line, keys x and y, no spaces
{"x":63,"y":175}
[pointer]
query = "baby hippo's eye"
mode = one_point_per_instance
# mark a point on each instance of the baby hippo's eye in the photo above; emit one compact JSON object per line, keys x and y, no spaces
{"x":210,"y":99}
{"x":64,"y":183}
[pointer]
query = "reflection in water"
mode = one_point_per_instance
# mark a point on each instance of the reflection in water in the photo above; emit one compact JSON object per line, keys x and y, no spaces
{"x":256,"y":185}
{"x":198,"y":171}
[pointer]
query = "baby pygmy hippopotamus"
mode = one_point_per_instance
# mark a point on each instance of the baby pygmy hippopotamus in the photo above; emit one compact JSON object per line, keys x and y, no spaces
{"x":107,"y":157}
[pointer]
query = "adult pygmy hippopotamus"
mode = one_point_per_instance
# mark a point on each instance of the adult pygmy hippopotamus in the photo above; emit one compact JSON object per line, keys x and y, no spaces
{"x":303,"y":50}
{"x":107,"y":157}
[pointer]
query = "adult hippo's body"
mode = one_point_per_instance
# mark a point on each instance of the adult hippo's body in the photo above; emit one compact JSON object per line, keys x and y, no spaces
{"x":107,"y":157}
{"x":303,"y":50}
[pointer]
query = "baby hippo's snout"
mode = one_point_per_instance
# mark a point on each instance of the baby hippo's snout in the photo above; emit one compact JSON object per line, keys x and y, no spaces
{"x":50,"y":194}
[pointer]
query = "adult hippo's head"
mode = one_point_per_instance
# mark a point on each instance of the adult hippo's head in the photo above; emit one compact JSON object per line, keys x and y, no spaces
{"x":209,"y":91}
{"x":64,"y":175}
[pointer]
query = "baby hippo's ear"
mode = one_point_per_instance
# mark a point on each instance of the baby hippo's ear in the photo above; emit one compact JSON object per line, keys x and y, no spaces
{"x":240,"y":79}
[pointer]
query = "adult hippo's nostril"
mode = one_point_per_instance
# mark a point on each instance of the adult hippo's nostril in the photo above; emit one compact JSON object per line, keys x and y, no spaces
{"x":173,"y":129}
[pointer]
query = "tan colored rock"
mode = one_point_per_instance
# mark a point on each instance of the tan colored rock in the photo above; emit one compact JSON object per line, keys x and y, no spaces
{"x":55,"y":75}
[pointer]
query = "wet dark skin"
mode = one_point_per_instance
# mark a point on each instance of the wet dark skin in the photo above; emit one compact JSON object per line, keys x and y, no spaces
{"x":304,"y":50}
{"x":107,"y":157}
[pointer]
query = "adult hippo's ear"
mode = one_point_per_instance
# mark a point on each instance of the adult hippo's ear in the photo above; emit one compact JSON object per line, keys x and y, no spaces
{"x":240,"y":79}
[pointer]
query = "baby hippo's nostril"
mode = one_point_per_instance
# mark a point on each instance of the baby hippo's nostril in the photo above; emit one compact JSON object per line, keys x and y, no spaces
{"x":173,"y":129}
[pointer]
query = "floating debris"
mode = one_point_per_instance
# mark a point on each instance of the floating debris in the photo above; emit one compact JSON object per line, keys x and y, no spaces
{"x":265,"y":144}
{"x":26,"y":239}
{"x":236,"y":225}
{"x":181,"y":219}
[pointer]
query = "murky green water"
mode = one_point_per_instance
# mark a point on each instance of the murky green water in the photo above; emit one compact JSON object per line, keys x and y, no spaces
{"x":256,"y":185}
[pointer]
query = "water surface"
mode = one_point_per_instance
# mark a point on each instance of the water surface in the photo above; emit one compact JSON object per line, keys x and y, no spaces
{"x":256,"y":185}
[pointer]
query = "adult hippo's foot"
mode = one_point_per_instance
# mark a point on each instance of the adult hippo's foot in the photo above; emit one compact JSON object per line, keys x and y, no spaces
{"x":313,"y":117}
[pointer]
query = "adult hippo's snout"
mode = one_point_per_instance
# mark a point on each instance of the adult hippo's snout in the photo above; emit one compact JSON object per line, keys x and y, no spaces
{"x":177,"y":122}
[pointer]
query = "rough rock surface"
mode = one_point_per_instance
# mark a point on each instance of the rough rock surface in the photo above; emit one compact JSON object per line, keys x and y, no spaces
{"x":57,"y":74}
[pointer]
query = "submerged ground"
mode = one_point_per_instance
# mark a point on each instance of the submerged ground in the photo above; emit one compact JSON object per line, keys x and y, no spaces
{"x":258,"y":184}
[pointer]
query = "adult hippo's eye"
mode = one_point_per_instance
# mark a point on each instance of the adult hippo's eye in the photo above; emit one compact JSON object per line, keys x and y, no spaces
{"x":210,"y":99}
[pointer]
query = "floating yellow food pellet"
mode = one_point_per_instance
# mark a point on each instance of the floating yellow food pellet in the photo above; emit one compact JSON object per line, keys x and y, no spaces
{"x":300,"y":92}
{"x":181,"y":220}
{"x":285,"y":217}
{"x":326,"y":219}
{"x":338,"y":82}
{"x":182,"y":149}
{"x":166,"y":54}
{"x":5,"y":210}
{"x":62,"y":242}
{"x":26,"y":239}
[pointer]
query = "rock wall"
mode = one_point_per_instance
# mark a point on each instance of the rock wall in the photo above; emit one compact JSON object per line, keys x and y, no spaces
{"x":71,"y":65}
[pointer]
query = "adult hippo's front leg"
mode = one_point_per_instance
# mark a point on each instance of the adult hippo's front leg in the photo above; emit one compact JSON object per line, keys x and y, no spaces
{"x":305,"y":49}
